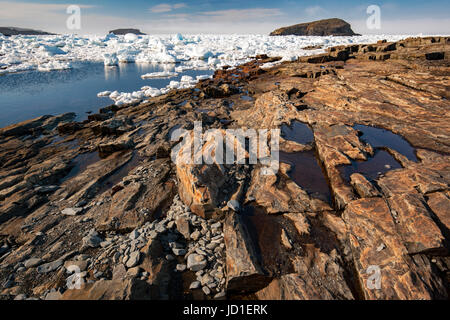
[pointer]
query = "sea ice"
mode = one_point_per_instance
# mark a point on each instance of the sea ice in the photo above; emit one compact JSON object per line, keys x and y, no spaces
{"x":178,"y":52}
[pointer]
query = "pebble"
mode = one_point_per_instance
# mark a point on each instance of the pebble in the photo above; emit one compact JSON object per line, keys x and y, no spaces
{"x":49,"y":267}
{"x":133,"y":260}
{"x":92,"y":239}
{"x":72,"y":211}
{"x":181,"y":267}
{"x":134,"y":235}
{"x":179,"y":251}
{"x":234,"y":205}
{"x":33,"y":262}
{"x":196,"y":262}
{"x":206,"y":290}
{"x":195,"y":285}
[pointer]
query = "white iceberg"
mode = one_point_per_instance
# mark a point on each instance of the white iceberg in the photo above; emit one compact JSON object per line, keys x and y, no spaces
{"x":162,"y":74}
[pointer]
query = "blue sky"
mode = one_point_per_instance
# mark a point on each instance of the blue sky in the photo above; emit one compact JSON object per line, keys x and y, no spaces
{"x":232,"y":16}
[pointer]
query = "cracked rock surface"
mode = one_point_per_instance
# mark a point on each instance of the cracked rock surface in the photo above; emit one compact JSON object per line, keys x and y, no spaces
{"x":358,"y":209}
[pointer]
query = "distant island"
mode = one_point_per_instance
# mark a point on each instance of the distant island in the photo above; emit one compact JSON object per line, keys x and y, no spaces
{"x":125,"y":31}
{"x":327,"y":27}
{"x":12,"y":31}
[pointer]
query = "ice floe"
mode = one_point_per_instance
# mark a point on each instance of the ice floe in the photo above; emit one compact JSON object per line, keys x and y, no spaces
{"x":162,"y":74}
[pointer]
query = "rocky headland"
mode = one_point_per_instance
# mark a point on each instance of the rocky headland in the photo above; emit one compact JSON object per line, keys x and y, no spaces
{"x":11,"y":31}
{"x":124,"y":31}
{"x":326,"y":27}
{"x":97,"y":209}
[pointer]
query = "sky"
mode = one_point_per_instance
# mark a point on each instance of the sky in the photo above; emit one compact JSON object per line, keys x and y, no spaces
{"x":224,"y":16}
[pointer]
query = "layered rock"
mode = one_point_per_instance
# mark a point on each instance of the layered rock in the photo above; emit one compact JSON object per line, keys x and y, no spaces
{"x":385,"y":269}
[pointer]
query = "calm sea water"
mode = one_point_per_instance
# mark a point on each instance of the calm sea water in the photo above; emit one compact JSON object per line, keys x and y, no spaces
{"x":31,"y":94}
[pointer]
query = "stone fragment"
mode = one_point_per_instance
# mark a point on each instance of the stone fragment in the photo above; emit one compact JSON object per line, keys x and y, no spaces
{"x":71,"y":211}
{"x":33,"y":262}
{"x":196,"y":262}
{"x":49,"y":267}
{"x":133,"y":260}
{"x":363,"y":187}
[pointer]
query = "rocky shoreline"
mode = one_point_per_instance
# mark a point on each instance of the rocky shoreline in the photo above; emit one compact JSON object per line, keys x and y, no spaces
{"x":97,"y":209}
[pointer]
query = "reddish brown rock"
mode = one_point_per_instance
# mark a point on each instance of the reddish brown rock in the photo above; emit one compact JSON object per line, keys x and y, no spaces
{"x":378,"y":251}
{"x":363,"y":187}
{"x":439,"y":202}
{"x":336,"y":146}
{"x":319,"y":269}
{"x":417,"y":228}
{"x":300,"y":287}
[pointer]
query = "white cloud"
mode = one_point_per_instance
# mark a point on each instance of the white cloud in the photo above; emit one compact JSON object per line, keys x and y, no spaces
{"x":27,"y":10}
{"x":179,"y":5}
{"x":236,"y":14}
{"x":258,"y":20}
{"x":314,"y":10}
{"x":165,"y":7}
{"x":53,"y":17}
{"x":426,"y":26}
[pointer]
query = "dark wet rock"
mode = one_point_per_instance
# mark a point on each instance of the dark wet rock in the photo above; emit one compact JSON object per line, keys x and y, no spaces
{"x":35,"y":125}
{"x":244,"y":274}
{"x":113,"y":126}
{"x":327,"y":27}
{"x":435,"y":55}
{"x":222,"y":91}
{"x":69,"y":127}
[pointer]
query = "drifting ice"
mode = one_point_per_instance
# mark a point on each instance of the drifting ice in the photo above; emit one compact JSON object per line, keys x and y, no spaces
{"x":188,"y":52}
